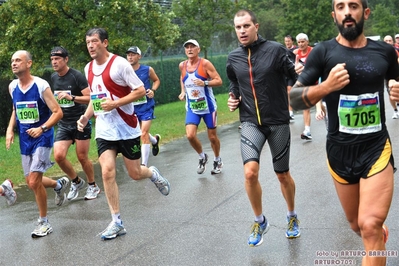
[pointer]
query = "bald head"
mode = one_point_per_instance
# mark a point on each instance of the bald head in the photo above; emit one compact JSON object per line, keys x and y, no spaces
{"x":21,"y":61}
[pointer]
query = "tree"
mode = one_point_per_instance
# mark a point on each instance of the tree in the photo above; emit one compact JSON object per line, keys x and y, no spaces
{"x":204,"y":19}
{"x":312,"y":17}
{"x":39,"y":25}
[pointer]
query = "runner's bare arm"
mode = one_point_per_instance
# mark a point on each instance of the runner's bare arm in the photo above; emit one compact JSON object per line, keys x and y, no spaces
{"x":303,"y":97}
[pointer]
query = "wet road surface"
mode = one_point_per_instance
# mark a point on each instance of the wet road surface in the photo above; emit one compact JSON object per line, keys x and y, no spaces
{"x":205,"y":220}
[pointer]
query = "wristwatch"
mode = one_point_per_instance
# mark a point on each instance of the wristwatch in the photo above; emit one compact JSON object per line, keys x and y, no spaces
{"x":206,"y":82}
{"x":73,"y":98}
{"x":44,"y":128}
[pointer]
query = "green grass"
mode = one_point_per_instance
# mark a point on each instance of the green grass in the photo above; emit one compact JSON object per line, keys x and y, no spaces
{"x":169,"y":123}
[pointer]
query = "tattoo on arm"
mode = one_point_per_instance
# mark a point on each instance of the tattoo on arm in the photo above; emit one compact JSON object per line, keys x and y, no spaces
{"x":298,"y":97}
{"x":305,"y":97}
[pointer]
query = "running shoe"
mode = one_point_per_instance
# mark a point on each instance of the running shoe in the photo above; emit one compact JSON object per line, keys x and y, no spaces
{"x":217,"y":167}
{"x":395,"y":115}
{"x":202,"y":164}
{"x":92,"y":192}
{"x":74,"y":190}
{"x":8,"y":192}
{"x":161,"y":183}
{"x":385,"y":233}
{"x":60,"y":195}
{"x":42,"y":229}
{"x":306,"y":135}
{"x":292,"y":118}
{"x":155,"y":147}
{"x":257,"y":232}
{"x":112,"y":231}
{"x":293,"y":227}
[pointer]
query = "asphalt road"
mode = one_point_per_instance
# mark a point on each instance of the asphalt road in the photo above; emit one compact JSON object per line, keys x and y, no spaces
{"x":205,"y":220}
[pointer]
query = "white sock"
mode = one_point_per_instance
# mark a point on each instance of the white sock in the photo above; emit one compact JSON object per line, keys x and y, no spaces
{"x":58,"y":186}
{"x":154,"y":176}
{"x":291,"y":213}
{"x":117,"y":218}
{"x":202,"y":155}
{"x":307,"y":128}
{"x":153,"y":140}
{"x":260,"y":218}
{"x":145,"y":153}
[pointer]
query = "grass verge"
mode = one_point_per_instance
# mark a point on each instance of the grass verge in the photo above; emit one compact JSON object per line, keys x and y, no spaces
{"x":169,"y":123}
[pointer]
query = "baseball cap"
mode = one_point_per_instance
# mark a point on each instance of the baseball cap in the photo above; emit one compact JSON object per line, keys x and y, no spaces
{"x":191,"y":41}
{"x":134,"y":49}
{"x":59,"y":51}
{"x":397,"y":36}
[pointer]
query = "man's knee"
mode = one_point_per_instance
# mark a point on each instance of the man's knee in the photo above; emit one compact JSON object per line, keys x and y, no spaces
{"x":285,"y":178}
{"x":370,"y":227}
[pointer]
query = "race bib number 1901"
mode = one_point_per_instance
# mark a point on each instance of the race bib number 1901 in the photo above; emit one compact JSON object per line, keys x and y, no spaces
{"x":27,"y":112}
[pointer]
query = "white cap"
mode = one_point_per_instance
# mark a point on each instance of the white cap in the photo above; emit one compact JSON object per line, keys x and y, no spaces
{"x":191,"y":41}
{"x":302,"y":36}
{"x":396,"y":36}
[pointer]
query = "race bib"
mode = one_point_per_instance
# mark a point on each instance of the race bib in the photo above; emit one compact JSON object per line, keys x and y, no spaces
{"x":27,"y":112}
{"x":198,"y":104}
{"x":97,"y":99}
{"x":63,"y":102}
{"x":359,"y":114}
{"x":142,"y":100}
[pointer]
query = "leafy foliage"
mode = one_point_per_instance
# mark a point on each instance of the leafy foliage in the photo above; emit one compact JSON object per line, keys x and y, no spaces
{"x":37,"y":26}
{"x":205,"y":19}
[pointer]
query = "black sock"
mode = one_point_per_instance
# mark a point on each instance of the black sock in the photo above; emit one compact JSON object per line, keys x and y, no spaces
{"x":76,"y":180}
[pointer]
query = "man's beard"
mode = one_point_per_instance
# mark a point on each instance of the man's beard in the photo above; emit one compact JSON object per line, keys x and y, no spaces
{"x":351,"y":33}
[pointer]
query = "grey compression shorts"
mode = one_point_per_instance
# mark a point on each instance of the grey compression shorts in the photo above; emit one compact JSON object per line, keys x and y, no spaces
{"x":254,"y":137}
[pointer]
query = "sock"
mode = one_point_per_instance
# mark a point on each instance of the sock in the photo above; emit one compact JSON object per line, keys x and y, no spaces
{"x":291,"y":213}
{"x":202,"y":155}
{"x":307,"y":128}
{"x":217,"y":159}
{"x":76,"y":180}
{"x":58,"y":186}
{"x":117,"y":218}
{"x":291,"y":113}
{"x":92,"y":184}
{"x":260,"y":219}
{"x":154,"y":176}
{"x":145,"y":153}
{"x":153,"y":140}
{"x":44,"y":219}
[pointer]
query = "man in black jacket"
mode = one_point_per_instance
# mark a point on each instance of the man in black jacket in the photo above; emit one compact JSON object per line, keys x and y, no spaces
{"x":257,"y":71}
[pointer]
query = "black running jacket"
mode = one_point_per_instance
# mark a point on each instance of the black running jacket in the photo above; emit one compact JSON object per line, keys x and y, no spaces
{"x":257,"y":74}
